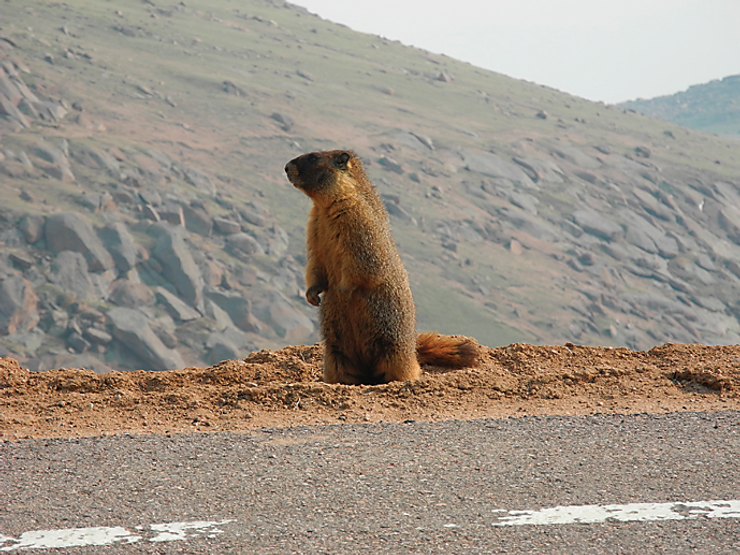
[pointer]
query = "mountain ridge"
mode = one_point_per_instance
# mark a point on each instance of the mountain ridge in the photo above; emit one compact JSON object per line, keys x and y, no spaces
{"x":712,"y":107}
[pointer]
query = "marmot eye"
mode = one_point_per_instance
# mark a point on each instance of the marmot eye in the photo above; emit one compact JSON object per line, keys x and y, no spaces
{"x":312,"y":158}
{"x":341,"y":160}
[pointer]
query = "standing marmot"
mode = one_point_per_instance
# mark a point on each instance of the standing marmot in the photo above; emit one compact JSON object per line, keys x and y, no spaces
{"x":368,"y":318}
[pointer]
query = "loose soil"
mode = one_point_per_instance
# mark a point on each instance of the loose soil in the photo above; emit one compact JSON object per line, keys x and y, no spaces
{"x":284,"y":388}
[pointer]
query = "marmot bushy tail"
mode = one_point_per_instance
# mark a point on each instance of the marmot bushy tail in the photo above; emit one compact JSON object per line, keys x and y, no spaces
{"x":356,"y":278}
{"x":446,"y":350}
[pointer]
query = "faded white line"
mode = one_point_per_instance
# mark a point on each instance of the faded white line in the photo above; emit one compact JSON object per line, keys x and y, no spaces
{"x":82,"y":537}
{"x":591,"y":514}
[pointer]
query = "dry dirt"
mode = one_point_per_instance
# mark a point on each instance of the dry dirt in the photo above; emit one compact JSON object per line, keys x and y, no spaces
{"x":284,"y":388}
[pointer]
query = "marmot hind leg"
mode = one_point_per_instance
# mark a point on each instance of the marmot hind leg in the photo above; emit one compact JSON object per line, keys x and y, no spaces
{"x":337,"y":368}
{"x":397,"y":369}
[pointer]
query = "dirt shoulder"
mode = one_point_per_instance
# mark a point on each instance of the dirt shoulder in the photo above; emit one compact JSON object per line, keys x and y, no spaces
{"x":284,"y":388}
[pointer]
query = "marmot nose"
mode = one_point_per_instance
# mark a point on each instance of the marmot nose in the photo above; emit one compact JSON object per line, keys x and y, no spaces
{"x":291,"y":170}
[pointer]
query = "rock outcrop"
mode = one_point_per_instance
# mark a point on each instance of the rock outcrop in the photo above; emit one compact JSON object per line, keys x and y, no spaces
{"x":132,"y":329}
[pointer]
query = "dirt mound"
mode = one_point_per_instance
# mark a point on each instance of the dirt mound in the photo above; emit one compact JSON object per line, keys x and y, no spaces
{"x":284,"y":388}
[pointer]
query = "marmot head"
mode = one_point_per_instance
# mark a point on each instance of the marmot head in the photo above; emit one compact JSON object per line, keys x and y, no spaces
{"x":325,"y":174}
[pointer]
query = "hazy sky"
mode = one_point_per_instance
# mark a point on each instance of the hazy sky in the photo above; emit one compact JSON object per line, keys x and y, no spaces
{"x":610,"y":50}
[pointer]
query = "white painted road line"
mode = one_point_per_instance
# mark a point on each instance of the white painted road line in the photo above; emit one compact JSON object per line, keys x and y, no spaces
{"x":591,"y":514}
{"x":81,"y":537}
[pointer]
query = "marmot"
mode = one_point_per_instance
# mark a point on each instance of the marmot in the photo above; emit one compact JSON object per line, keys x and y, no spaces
{"x":367,"y":314}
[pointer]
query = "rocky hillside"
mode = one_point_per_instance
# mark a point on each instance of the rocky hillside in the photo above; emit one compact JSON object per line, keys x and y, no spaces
{"x":712,"y":107}
{"x":147,"y":221}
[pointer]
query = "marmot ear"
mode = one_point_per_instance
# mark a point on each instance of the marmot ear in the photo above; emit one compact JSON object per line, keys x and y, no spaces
{"x":341,"y":160}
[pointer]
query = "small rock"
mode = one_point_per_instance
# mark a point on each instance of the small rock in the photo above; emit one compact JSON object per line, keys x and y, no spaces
{"x":150,"y":213}
{"x":643,"y":151}
{"x":21,"y":260}
{"x":445,"y":77}
{"x":286,"y":122}
{"x":232,"y":88}
{"x":515,"y":247}
{"x":98,"y":336}
{"x":305,"y":74}
{"x":78,"y":343}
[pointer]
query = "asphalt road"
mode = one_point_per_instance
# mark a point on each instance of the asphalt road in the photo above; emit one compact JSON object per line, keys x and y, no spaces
{"x":449,"y":487}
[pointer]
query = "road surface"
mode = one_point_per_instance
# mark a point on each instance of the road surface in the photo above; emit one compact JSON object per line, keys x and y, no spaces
{"x":594,"y":484}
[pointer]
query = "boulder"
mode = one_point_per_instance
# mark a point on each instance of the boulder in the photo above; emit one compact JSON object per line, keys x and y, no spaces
{"x":168,"y":337}
{"x":238,"y":307}
{"x":541,"y":170}
{"x":286,"y":122}
{"x":653,"y":206}
{"x":172,"y":213}
{"x":390,"y":164}
{"x":226,"y":345}
{"x":200,"y":180}
{"x":577,"y":157}
{"x":525,"y":201}
{"x":20,"y":260}
{"x":221,"y":349}
{"x":18,"y":305}
{"x":100,"y":337}
{"x":96,"y":158}
{"x":278,"y":312}
{"x":96,"y":201}
{"x":218,"y":315}
{"x":9,"y":110}
{"x":729,"y":220}
{"x":254,"y":213}
{"x":529,"y":223}
{"x":59,"y":168}
{"x":274,"y":241}
{"x":120,"y":244}
{"x":9,"y":90}
{"x":398,"y":211}
{"x":132,"y":329}
{"x":493,"y":166}
{"x":32,"y":228}
{"x":643,"y":234}
{"x":175,"y":306}
{"x":69,"y":272}
{"x":77,"y":343}
{"x":595,"y":224}
{"x":243,"y":244}
{"x":70,"y":231}
{"x":178,"y":266}
{"x":128,"y":294}
{"x":226,"y":226}
{"x":197,"y":220}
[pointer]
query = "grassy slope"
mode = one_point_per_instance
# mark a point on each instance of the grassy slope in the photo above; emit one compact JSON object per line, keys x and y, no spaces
{"x":187,"y":55}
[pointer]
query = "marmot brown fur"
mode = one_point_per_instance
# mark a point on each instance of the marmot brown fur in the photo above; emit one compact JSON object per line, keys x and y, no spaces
{"x":367,"y":314}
